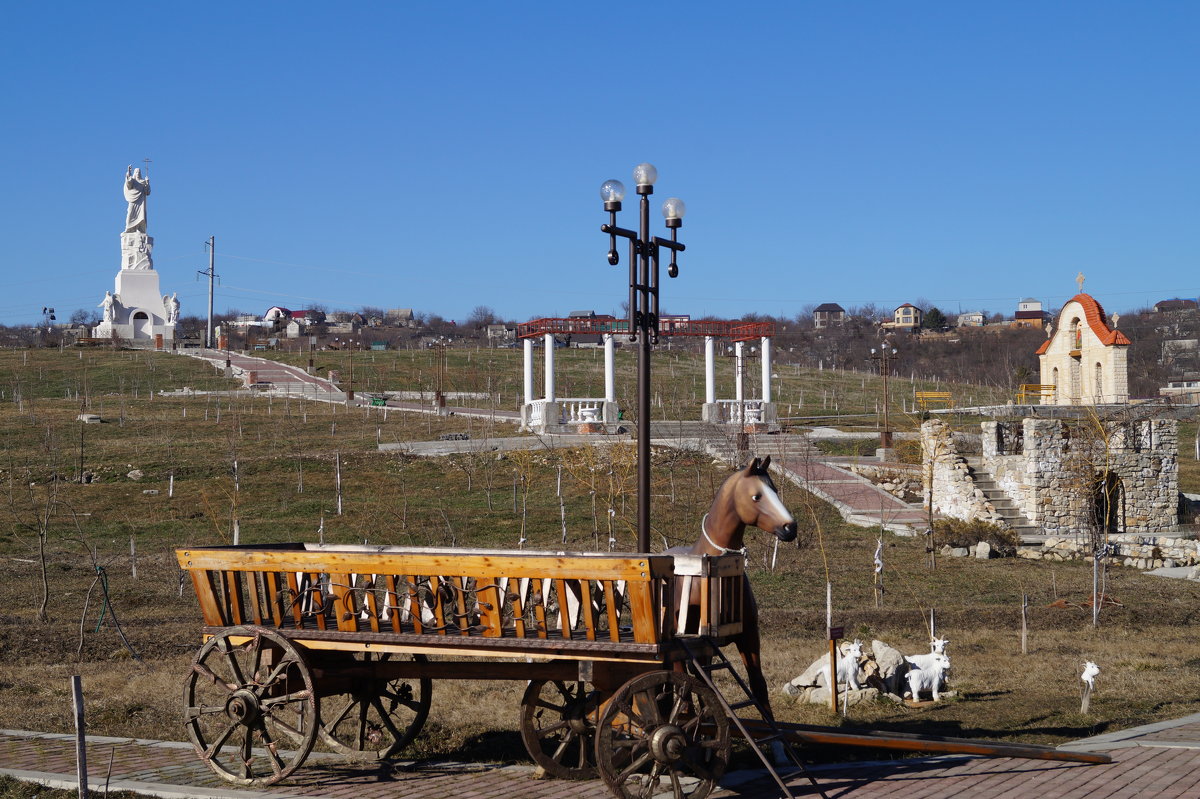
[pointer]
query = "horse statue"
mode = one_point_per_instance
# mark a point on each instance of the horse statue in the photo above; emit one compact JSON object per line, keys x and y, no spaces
{"x":747,"y":497}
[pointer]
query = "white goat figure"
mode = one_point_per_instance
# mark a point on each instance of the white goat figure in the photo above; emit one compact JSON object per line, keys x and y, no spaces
{"x":1090,"y":670}
{"x":937,"y":648}
{"x":927,"y":678}
{"x":847,"y":667}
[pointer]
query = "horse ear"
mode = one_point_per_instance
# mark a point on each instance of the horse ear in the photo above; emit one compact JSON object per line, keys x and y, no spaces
{"x":766,"y":464}
{"x":753,"y":467}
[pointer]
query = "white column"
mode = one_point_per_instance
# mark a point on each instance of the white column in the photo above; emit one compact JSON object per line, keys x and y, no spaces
{"x":739,"y":394}
{"x":766,"y":369}
{"x":528,"y":343}
{"x":548,"y":343}
{"x":710,"y":371}
{"x":610,"y":376}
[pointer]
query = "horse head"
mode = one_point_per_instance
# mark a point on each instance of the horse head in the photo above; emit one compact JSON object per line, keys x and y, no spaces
{"x":758,"y":503}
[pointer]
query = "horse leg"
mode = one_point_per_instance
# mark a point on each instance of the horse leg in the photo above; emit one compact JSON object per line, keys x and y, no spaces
{"x":749,"y":646}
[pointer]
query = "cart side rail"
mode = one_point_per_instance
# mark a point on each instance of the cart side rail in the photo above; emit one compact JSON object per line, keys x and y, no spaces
{"x":616,"y":598}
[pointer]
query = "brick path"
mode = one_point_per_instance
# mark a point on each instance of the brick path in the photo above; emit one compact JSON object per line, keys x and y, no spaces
{"x":1157,"y":760}
{"x":858,"y":500}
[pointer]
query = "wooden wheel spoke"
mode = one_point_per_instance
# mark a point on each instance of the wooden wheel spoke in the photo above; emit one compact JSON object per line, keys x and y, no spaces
{"x":193,"y":712}
{"x":288,"y":728}
{"x":413,"y":704}
{"x":230,"y":653}
{"x":274,"y":676}
{"x":220,"y":740}
{"x":386,"y":718}
{"x":211,"y":676}
{"x":271,"y":747}
{"x":302,"y":695}
{"x":633,"y":767}
{"x":562,"y":747}
{"x":361,"y":735}
{"x":677,"y":708}
{"x":332,"y":724}
{"x":247,"y":753}
{"x":626,"y":707}
{"x":547,"y":731}
{"x":700,"y":771}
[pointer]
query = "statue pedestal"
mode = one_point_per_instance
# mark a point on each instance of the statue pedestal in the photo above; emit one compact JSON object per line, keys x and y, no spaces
{"x":140,"y":315}
{"x":136,"y":251}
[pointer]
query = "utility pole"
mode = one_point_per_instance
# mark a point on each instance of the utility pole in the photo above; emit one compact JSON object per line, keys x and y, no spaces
{"x":211,"y":244}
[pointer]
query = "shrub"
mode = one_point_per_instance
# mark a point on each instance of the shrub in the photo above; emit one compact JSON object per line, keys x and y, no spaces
{"x":963,"y":533}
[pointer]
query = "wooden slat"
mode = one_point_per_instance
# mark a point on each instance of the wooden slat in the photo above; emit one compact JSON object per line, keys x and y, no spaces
{"x":564,"y":609}
{"x":253,"y":588}
{"x":488,"y":599}
{"x":392,"y":600}
{"x":459,"y":584}
{"x":212,"y":611}
{"x":414,"y":604}
{"x":273,"y":598}
{"x":372,"y":605}
{"x":439,"y":611}
{"x":538,"y":597}
{"x":577,"y":567}
{"x":320,"y":603}
{"x":345,"y":614}
{"x":233,"y":597}
{"x":685,"y":605}
{"x":518,"y":606}
{"x":641,"y":607}
{"x":297,"y":600}
{"x":589,"y":616}
{"x":614,"y":612}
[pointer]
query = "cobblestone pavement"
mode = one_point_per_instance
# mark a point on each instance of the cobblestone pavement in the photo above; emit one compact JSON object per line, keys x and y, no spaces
{"x":1157,"y":760}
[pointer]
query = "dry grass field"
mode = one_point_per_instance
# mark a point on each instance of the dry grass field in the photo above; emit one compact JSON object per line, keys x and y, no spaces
{"x":282,"y":489}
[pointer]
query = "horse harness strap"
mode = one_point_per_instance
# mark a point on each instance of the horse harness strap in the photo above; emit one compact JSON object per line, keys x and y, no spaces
{"x":715,"y":545}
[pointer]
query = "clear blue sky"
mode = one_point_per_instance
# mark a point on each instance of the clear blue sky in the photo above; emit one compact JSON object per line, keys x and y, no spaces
{"x":442,"y":156}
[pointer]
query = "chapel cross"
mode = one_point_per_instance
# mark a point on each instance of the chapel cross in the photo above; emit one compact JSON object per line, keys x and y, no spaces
{"x":1079,"y":280}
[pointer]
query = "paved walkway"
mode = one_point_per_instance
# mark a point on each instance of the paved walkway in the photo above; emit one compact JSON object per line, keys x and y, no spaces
{"x":859,"y":500}
{"x":1157,"y":760}
{"x":294,"y":381}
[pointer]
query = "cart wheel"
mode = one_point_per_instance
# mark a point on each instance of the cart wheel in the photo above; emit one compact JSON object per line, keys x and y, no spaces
{"x":250,"y":708}
{"x":662,"y":733}
{"x":558,"y":726}
{"x":379,"y":717}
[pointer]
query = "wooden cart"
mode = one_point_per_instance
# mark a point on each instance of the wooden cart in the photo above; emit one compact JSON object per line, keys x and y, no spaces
{"x":335,"y":643}
{"x":342,"y":643}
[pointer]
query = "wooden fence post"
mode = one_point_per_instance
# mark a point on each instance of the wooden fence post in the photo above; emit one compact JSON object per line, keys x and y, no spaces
{"x":80,"y":739}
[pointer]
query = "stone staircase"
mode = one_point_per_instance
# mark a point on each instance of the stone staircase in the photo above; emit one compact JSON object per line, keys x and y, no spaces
{"x":1005,"y":507}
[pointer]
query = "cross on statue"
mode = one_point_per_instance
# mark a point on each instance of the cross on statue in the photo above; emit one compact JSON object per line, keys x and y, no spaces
{"x":1079,"y":280}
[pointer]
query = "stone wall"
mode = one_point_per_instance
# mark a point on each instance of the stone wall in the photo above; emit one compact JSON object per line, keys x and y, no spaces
{"x":1051,"y":470}
{"x":1136,"y":551}
{"x":954,"y":491}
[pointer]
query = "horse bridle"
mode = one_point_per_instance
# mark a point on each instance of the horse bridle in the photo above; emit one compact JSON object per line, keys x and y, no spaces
{"x":715,"y":545}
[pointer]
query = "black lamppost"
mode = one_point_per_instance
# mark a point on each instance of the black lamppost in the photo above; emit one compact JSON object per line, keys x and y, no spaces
{"x":643,"y":304}
{"x":885,"y":357}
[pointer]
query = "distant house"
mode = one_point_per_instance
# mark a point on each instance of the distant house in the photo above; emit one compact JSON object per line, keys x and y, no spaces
{"x":970,"y":319}
{"x":1169,"y":306}
{"x":1030,"y":314}
{"x":277,"y":315}
{"x":906,"y":317}
{"x":501,"y":333}
{"x":401,"y":317}
{"x":828,"y":313}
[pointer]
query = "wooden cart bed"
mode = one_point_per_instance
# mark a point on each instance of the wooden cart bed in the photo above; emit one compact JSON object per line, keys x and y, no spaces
{"x":500,"y":603}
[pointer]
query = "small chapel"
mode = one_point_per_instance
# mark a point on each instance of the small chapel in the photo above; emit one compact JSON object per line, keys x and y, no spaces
{"x":1084,"y":359}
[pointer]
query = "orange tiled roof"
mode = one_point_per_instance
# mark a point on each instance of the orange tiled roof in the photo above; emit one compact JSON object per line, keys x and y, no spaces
{"x":1094,"y":314}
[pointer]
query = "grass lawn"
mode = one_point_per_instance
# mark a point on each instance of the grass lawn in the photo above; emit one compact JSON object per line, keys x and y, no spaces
{"x":271,"y":467}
